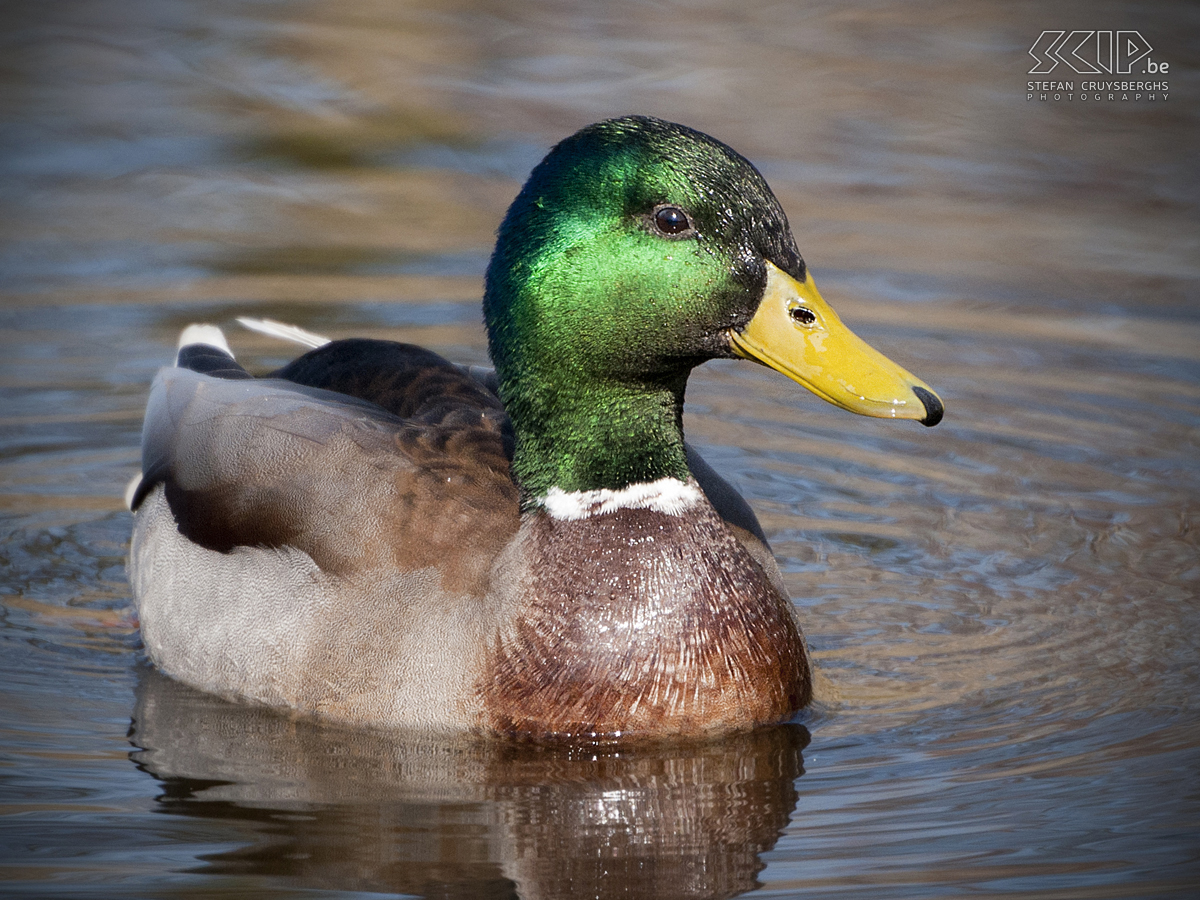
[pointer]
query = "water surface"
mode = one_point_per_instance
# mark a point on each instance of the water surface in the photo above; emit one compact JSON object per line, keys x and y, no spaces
{"x":1003,"y":610}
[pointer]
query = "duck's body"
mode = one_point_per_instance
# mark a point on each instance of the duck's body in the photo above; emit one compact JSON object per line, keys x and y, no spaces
{"x":374,"y":535}
{"x":312,"y":552}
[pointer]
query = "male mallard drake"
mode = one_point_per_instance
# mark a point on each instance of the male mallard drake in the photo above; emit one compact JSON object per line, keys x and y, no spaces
{"x":375,"y":534}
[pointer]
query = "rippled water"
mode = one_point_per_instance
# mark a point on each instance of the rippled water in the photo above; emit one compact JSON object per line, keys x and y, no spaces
{"x":1003,"y":609}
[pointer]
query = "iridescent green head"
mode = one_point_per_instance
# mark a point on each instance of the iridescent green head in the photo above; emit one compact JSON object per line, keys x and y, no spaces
{"x":636,"y":250}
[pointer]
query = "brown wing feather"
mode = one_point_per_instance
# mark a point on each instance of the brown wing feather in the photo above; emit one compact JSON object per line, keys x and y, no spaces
{"x":268,"y":463}
{"x":406,"y":380}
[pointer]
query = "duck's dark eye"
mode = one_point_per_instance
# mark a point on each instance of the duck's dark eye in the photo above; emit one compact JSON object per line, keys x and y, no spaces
{"x":802,"y":315}
{"x":671,"y":220}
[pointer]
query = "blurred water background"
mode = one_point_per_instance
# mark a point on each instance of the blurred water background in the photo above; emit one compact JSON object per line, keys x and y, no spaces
{"x":1003,"y":609}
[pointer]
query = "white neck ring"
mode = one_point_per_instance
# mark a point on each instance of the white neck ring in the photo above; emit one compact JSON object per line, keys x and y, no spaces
{"x":666,"y":495}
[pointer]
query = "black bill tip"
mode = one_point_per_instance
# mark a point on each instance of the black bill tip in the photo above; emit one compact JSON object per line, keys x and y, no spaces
{"x":934,"y":410}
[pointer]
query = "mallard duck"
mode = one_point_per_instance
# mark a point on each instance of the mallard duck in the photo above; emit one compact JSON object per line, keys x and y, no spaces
{"x":377,"y":535}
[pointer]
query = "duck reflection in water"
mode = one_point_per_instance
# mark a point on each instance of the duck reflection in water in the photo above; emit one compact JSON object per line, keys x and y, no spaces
{"x":349,"y":809}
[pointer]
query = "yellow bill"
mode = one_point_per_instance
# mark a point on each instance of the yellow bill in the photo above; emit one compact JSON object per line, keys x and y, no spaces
{"x":795,"y":332}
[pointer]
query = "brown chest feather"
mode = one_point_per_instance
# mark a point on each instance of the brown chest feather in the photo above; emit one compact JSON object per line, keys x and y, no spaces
{"x":639,"y":621}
